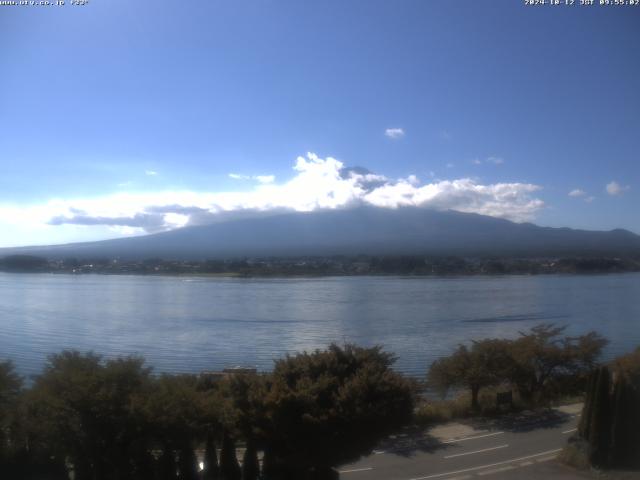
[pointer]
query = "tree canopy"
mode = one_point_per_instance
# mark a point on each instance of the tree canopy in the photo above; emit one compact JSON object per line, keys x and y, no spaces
{"x":530,"y":363}
{"x":484,"y":364}
{"x":331,"y":406}
{"x":111,"y":419}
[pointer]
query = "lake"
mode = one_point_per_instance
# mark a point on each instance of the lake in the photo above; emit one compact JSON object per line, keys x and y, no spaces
{"x":183,"y":324}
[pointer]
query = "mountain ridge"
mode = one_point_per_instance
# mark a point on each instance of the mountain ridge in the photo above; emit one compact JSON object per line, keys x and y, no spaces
{"x":361,"y":230}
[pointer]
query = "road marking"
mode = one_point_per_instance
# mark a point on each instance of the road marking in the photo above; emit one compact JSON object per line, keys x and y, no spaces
{"x":545,"y":459}
{"x":570,"y":430}
{"x":452,"y":440}
{"x":472,"y":438}
{"x":477,"y":451}
{"x":526,"y":464}
{"x":497,"y":470}
{"x":354,"y":470}
{"x":487,"y":466}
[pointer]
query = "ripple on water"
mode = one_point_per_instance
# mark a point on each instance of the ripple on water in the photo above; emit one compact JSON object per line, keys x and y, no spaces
{"x":194,"y":324}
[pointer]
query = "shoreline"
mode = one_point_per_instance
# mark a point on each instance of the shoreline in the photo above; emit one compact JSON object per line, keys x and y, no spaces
{"x":240,"y":275}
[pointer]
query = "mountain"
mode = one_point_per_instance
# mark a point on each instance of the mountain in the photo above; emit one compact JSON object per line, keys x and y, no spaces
{"x":365,"y":230}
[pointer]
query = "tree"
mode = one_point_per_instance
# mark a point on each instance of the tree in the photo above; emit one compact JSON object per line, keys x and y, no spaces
{"x":625,"y":434}
{"x":610,"y":423}
{"x":332,"y":406}
{"x":10,"y":389}
{"x":629,"y":366}
{"x":187,"y":462}
{"x":229,"y":467}
{"x":600,"y":420}
{"x":83,"y":408}
{"x":250,"y":464}
{"x":175,"y":413}
{"x":245,"y":415}
{"x":211,"y":470}
{"x":483,"y":365}
{"x":23,"y":263}
{"x":542,"y":355}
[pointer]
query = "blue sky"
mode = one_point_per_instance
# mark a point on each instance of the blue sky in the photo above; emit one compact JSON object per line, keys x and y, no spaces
{"x":117,"y":110}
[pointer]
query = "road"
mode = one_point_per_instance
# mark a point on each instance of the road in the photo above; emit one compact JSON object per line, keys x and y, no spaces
{"x":513,"y":446}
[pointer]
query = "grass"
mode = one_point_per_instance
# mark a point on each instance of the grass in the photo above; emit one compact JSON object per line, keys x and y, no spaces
{"x":574,"y":455}
{"x":459,"y":407}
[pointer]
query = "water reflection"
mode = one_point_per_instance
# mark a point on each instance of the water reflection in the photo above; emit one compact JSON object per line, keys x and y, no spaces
{"x":192,"y":324}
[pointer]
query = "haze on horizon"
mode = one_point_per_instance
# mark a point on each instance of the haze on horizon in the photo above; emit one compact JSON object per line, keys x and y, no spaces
{"x":126,"y":118}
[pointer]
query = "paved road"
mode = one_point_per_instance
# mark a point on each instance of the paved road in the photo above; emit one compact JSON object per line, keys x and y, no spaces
{"x":513,"y":446}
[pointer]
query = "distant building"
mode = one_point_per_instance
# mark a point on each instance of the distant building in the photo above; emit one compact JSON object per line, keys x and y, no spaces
{"x":227,"y":372}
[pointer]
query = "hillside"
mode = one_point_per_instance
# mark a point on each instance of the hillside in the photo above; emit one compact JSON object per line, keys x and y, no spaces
{"x":372,"y":231}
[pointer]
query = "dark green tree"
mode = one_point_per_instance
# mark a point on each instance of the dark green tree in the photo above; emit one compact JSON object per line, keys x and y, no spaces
{"x":332,"y":406}
{"x":625,"y":425}
{"x":229,"y":467}
{"x":82,"y":408}
{"x":600,"y":421}
{"x":187,"y":462}
{"x":211,"y":470}
{"x":485,"y":364}
{"x":176,"y":417}
{"x":10,"y":388}
{"x":250,"y":464}
{"x":10,"y":392}
{"x":542,"y":355}
{"x":245,"y":415}
{"x":167,"y":467}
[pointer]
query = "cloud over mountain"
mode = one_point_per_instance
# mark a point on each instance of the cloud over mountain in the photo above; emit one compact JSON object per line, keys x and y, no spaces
{"x":318,"y":183}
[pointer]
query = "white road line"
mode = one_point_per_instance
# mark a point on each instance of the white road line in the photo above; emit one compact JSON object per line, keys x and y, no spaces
{"x":487,"y":466}
{"x":453,"y":440}
{"x":477,"y":451}
{"x":354,"y":470}
{"x":497,"y":470}
{"x":570,"y":430}
{"x":545,"y":459}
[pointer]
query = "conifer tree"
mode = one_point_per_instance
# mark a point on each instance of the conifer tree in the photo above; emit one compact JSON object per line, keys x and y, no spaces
{"x":250,"y":464}
{"x":587,"y":409}
{"x":187,"y":463}
{"x":167,"y":463}
{"x":600,"y":421}
{"x":211,"y":469}
{"x":229,"y":467}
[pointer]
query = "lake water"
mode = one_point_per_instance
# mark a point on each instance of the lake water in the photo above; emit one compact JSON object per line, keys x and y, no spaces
{"x":192,"y":324}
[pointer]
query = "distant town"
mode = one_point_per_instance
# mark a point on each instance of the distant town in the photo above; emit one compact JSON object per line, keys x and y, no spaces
{"x":325,"y":266}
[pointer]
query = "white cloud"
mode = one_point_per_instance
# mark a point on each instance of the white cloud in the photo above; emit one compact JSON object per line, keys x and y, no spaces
{"x":394,"y":133}
{"x":576,"y":192}
{"x":265,"y":178}
{"x":614,"y":188}
{"x":257,"y":178}
{"x":318,"y":183}
{"x":450,"y":165}
{"x":491,"y":159}
{"x":589,"y":199}
{"x":413,"y":180}
{"x":150,"y":173}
